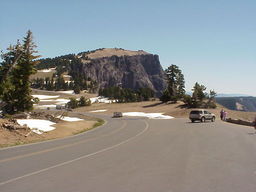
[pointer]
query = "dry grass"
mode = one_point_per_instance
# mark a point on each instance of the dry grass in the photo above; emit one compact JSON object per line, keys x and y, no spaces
{"x":42,"y":75}
{"x":108,"y":52}
{"x":63,"y":129}
{"x":175,"y":110}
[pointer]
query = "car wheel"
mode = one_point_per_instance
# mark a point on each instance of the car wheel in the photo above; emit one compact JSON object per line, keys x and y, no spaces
{"x":192,"y":120}
{"x":213,"y":119}
{"x":203,"y":119}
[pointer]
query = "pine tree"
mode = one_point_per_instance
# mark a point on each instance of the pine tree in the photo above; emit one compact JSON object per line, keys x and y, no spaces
{"x":176,"y":84}
{"x":211,"y":101}
{"x":198,"y":95}
{"x":16,"y":90}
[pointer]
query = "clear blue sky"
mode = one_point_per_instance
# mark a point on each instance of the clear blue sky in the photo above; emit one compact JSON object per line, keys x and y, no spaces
{"x":212,"y":41}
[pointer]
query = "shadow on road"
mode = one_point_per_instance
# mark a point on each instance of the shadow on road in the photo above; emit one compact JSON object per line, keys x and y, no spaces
{"x":198,"y":122}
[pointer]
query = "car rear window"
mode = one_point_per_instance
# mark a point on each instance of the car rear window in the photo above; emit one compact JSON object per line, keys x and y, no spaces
{"x":196,"y":112}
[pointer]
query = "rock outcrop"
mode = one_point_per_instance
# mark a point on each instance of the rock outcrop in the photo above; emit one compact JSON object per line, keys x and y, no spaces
{"x":128,"y":69}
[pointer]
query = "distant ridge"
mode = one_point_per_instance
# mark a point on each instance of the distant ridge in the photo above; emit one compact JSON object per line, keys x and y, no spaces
{"x":238,"y":103}
{"x":232,"y":95}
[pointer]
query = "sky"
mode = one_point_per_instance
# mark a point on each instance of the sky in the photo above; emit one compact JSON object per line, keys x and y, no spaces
{"x":212,"y":42}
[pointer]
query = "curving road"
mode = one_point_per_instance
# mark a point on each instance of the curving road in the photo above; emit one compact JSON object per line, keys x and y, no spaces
{"x":137,"y":155}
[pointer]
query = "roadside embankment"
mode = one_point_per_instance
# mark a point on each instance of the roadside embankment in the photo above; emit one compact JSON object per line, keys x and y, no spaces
{"x":12,"y":133}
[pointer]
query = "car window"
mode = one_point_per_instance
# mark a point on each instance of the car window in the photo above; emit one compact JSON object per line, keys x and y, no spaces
{"x":196,"y":112}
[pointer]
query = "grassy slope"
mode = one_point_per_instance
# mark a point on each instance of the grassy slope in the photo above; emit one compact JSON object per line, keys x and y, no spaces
{"x":174,"y":110}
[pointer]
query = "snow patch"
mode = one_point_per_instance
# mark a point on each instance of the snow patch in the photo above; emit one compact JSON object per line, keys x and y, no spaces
{"x":37,"y":125}
{"x":42,"y":97}
{"x":71,"y":119}
{"x":98,"y":111}
{"x":62,"y":101}
{"x":68,"y":76}
{"x":46,"y":70}
{"x":66,"y":92}
{"x":47,"y":100}
{"x":149,"y":115}
{"x":101,"y":100}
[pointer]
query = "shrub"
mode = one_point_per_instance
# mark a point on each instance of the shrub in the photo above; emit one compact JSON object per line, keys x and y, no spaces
{"x":84,"y":102}
{"x":73,"y":103}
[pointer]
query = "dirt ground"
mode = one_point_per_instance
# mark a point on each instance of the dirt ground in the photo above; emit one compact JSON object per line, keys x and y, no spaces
{"x":175,"y":110}
{"x":63,"y":129}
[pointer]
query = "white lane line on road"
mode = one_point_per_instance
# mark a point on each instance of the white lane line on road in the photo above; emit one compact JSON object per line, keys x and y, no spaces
{"x":79,"y":158}
{"x":60,"y":147}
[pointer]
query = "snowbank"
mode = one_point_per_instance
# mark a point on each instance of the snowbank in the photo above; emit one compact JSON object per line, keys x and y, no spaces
{"x":66,"y":92}
{"x":71,"y":119}
{"x":98,"y":111}
{"x":67,"y":76}
{"x":37,"y":125}
{"x":101,"y":100}
{"x":42,"y":97}
{"x":47,"y":100}
{"x":62,"y":101}
{"x":46,"y":70}
{"x":149,"y":115}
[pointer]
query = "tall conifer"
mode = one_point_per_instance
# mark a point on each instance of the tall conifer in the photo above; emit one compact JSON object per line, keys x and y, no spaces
{"x":16,"y":90}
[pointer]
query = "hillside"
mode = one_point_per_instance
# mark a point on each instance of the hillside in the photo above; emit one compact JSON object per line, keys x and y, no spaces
{"x":238,"y":103}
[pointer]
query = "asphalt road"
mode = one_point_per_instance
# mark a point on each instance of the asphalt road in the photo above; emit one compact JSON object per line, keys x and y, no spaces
{"x":137,"y":155}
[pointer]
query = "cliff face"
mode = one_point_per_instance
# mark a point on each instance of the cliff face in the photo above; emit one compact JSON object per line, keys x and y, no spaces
{"x":136,"y":71}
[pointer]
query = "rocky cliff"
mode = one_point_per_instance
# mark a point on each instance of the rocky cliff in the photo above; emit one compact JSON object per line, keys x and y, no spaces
{"x":129,"y":69}
{"x":112,"y":67}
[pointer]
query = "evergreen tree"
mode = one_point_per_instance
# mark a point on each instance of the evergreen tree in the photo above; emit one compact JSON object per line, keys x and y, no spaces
{"x":198,"y":94}
{"x":123,"y":95}
{"x":211,"y":101}
{"x":84,"y":102}
{"x":176,"y":84}
{"x":200,"y":98}
{"x":16,"y":92}
{"x":73,"y":103}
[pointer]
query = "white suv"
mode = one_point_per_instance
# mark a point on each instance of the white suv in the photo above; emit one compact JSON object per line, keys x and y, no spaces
{"x":201,"y":115}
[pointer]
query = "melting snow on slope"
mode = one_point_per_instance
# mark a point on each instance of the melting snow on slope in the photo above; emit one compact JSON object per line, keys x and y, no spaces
{"x":42,"y":97}
{"x":71,"y":119}
{"x":46,"y":70}
{"x":101,"y":100}
{"x":37,"y":125}
{"x":62,"y":101}
{"x":68,"y":76}
{"x":66,"y":92}
{"x":98,"y":111}
{"x":149,"y":115}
